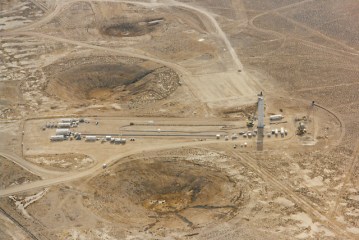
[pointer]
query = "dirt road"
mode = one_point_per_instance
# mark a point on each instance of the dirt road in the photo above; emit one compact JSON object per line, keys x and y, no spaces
{"x":41,"y":172}
{"x":224,"y":88}
{"x":94,"y":170}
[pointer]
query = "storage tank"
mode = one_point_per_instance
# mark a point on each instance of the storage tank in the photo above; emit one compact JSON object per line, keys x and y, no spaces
{"x":63,"y":131}
{"x":57,"y":138}
{"x":276,"y":117}
{"x":91,"y":138}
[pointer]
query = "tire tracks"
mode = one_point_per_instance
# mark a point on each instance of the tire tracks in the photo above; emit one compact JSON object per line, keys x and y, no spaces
{"x":307,"y":207}
{"x":348,"y":175}
{"x":17,"y":223}
{"x":349,"y":50}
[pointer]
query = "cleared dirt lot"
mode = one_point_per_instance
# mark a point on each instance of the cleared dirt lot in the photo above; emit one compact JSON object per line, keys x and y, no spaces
{"x":172,"y":75}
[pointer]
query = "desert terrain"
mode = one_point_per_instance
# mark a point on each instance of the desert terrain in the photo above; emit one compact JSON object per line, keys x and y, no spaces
{"x":141,"y":119}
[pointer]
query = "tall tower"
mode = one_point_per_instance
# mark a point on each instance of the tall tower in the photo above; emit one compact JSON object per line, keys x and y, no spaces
{"x":260,"y":126}
{"x":260,"y":112}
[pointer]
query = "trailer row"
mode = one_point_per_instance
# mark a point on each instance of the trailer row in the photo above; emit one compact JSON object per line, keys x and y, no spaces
{"x":61,"y":125}
{"x":249,"y":134}
{"x":89,"y":138}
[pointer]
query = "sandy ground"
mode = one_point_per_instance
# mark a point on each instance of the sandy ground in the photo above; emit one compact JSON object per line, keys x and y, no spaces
{"x":169,"y":76}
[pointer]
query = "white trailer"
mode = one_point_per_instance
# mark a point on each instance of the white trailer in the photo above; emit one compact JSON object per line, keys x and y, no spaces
{"x":67,"y":120}
{"x":108,"y":138}
{"x":57,"y":138}
{"x":276,"y":131}
{"x":282,"y":131}
{"x":120,"y":140}
{"x":91,"y":138}
{"x":63,"y":125}
{"x":276,"y":117}
{"x":154,"y":22}
{"x":63,"y":131}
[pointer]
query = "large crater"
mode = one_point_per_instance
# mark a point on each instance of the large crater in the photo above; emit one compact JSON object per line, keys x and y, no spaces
{"x":171,"y":192}
{"x":131,"y":28}
{"x":112,"y":81}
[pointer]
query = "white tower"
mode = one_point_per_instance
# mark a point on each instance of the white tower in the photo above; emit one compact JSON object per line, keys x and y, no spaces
{"x":260,"y":112}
